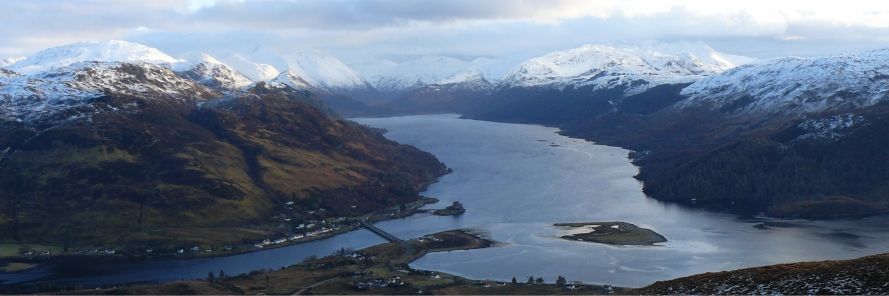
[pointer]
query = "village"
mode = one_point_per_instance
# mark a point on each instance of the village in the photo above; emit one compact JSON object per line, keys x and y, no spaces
{"x":291,"y":225}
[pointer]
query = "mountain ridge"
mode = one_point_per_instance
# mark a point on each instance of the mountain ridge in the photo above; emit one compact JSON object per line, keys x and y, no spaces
{"x":135,"y":156}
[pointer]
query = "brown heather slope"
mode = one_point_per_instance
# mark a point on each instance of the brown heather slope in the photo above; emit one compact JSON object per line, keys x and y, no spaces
{"x":171,"y":173}
{"x":866,"y":275}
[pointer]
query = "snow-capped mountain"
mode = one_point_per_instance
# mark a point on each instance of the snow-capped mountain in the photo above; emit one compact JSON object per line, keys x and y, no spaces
{"x":796,"y":85}
{"x":46,"y":94}
{"x":470,"y":80}
{"x":324,"y":71}
{"x":209,"y":71}
{"x":391,"y":77}
{"x":101,"y":51}
{"x":636,"y":67}
{"x":321,"y":71}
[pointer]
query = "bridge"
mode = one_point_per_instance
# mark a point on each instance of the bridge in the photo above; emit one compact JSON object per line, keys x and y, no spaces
{"x":380,"y":232}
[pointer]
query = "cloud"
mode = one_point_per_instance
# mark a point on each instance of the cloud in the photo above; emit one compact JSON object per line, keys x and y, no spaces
{"x":362,"y":30}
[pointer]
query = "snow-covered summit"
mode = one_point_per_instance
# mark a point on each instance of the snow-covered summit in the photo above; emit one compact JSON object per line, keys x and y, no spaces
{"x":320,"y":70}
{"x":469,"y":75}
{"x":192,"y":59}
{"x":324,"y":71}
{"x":389,"y":76}
{"x":45,"y":94}
{"x":209,"y":71}
{"x":796,"y":85}
{"x":471,"y":79}
{"x":606,"y":66}
{"x":101,"y":51}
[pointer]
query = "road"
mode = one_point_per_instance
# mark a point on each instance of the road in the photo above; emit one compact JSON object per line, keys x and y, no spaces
{"x":380,"y":232}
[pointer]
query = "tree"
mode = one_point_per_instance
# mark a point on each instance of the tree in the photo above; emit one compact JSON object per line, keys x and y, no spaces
{"x":514,"y":281}
{"x":530,"y":280}
{"x":539,"y":280}
{"x":561,"y":281}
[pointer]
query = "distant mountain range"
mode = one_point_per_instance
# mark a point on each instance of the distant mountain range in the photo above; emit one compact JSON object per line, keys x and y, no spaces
{"x":636,"y":68}
{"x":348,"y":92}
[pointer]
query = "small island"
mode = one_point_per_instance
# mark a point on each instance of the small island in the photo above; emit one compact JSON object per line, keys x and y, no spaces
{"x":612,"y":233}
{"x":453,"y":210}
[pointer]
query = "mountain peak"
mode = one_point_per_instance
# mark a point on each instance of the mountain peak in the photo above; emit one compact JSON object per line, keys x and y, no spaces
{"x":470,"y":75}
{"x":193,"y":58}
{"x":320,"y":70}
{"x":209,"y":71}
{"x":46,"y":94}
{"x":293,"y":80}
{"x":604,"y":66}
{"x":415,"y":73}
{"x":100,"y":51}
{"x":323,"y":71}
{"x":251,"y":67}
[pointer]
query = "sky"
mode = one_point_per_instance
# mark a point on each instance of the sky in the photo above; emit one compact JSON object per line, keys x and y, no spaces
{"x":363,"y":32}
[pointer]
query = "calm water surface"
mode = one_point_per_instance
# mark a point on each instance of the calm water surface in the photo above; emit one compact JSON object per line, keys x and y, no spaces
{"x":516,"y":181}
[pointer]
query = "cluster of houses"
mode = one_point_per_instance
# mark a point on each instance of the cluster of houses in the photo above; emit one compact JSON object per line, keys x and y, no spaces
{"x":294,"y":237}
{"x":31,"y":252}
{"x":393,"y":281}
{"x":359,"y":256}
{"x":75,"y":252}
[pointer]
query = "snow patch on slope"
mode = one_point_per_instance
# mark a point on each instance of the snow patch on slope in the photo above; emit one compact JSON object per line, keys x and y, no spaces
{"x":324,"y":71}
{"x":830,"y":128}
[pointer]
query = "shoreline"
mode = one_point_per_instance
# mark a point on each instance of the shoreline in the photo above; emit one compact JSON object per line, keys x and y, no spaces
{"x":411,"y":208}
{"x":36,"y":261}
{"x":379,"y":269}
{"x":617,"y":233}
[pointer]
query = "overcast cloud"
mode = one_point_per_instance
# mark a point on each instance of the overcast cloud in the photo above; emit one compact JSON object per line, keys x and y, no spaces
{"x":362,"y":31}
